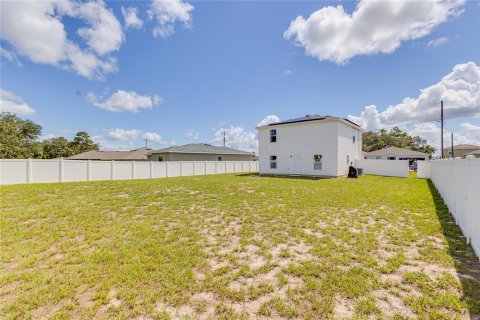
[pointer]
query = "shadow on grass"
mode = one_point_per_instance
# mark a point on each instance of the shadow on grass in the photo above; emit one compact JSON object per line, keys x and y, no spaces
{"x":467,"y":264}
{"x":295,"y":177}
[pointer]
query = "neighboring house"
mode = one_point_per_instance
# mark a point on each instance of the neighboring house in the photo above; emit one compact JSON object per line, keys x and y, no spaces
{"x":139,"y":154}
{"x":312,"y":145}
{"x":475,"y":153}
{"x":460,"y":150}
{"x":394,"y":153}
{"x":200,"y":152}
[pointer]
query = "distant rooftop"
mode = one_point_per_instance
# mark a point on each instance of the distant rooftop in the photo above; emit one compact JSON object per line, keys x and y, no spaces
{"x":137,"y":154}
{"x":312,"y":117}
{"x":395,"y":151}
{"x":200,"y":148}
{"x":464,"y":147}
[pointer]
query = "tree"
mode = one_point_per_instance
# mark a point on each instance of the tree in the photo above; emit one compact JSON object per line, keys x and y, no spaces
{"x":18,"y":137}
{"x":83,"y":143}
{"x":394,"y":138}
{"x":56,"y":148}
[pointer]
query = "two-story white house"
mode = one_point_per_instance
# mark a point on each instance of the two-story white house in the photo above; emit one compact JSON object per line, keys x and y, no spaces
{"x":312,"y":145}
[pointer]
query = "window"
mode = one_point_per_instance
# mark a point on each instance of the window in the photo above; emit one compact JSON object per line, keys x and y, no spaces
{"x":219,"y":159}
{"x":317,"y":162}
{"x":354,"y":136}
{"x":353,"y":139}
{"x":160,"y":158}
{"x":390,"y":158}
{"x":273,"y":162}
{"x":273,"y":135}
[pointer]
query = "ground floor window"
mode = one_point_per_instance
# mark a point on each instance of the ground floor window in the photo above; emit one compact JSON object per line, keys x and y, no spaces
{"x":273,"y":162}
{"x":317,"y":162}
{"x":219,"y":158}
{"x":390,"y":158}
{"x":160,"y":158}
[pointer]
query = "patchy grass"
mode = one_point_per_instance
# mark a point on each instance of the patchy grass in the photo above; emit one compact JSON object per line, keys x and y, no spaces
{"x":234,"y":247}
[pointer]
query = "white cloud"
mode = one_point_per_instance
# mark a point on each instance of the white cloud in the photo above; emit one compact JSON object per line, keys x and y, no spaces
{"x":268,"y":119}
{"x":123,"y":135}
{"x":10,"y":56}
{"x":460,"y":90}
{"x":122,"y":100}
{"x":288,"y":72}
{"x":152,"y":136}
{"x":9,"y":102}
{"x":192,"y":134}
{"x":167,"y":13}
{"x":437,"y":42}
{"x":237,"y":137}
{"x":130,"y":15}
{"x":35,"y":30}
{"x":374,"y":27}
{"x":47,"y":137}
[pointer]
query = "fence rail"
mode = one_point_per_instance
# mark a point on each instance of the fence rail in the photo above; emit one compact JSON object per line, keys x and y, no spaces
{"x":458,"y":182}
{"x":20,"y":171}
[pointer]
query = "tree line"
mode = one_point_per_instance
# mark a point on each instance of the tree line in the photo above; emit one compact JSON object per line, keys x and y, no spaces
{"x":19,"y":139}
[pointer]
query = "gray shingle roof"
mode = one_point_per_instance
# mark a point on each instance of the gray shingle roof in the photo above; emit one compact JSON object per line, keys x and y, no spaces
{"x":311,"y":117}
{"x":137,"y":154}
{"x":463,"y":147}
{"x":394,"y":151}
{"x":473,"y":152}
{"x":200,"y":148}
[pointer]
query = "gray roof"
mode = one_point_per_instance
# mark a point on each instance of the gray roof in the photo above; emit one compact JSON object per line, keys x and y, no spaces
{"x":473,"y":153}
{"x":201,"y":148}
{"x":394,"y":151}
{"x":463,"y":147}
{"x":312,"y":117}
{"x":137,"y":154}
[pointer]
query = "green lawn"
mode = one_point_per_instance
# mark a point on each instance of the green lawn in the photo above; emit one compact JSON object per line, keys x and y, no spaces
{"x":234,"y":246}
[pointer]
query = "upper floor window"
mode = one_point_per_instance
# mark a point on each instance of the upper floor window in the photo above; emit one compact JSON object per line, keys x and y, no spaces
{"x":317,"y":162}
{"x":273,"y":162}
{"x":354,"y":136}
{"x":353,"y":139}
{"x":273,"y":135}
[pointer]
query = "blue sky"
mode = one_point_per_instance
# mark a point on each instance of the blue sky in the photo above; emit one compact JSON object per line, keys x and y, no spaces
{"x":213,"y":66}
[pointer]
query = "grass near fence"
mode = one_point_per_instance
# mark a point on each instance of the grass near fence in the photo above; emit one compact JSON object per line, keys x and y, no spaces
{"x":233,"y":246}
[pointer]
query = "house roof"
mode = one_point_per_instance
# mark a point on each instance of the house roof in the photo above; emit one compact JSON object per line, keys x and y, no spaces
{"x":137,"y":154}
{"x":473,"y":153}
{"x":201,"y":148}
{"x":313,"y":117}
{"x":463,"y":147}
{"x":395,"y":151}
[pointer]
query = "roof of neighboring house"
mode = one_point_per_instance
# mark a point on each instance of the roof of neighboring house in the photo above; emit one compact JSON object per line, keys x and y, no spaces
{"x":313,"y":117}
{"x":201,"y":148}
{"x":137,"y":154}
{"x":464,"y":147}
{"x":395,"y":151}
{"x":474,"y":153}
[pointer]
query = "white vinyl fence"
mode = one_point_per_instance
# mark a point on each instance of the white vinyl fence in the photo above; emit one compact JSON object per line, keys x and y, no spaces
{"x":380,"y":167}
{"x":458,"y":182}
{"x":18,"y":171}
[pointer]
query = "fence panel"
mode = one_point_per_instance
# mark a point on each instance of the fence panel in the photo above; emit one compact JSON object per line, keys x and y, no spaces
{"x":423,"y":169}
{"x":18,"y":171}
{"x":392,"y":168}
{"x":458,"y":182}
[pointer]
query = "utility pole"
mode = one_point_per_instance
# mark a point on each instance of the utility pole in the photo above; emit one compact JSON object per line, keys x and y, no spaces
{"x":224,"y":139}
{"x":441,"y":119}
{"x":453,"y":155}
{"x":146,"y":143}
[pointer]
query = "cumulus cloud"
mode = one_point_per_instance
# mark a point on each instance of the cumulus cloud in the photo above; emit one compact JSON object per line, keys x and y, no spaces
{"x":192,"y":134}
{"x":268,"y":119}
{"x":123,"y":135}
{"x":467,"y":134}
{"x":35,"y":30}
{"x":130,"y":16}
{"x":374,"y":27}
{"x":10,"y":56}
{"x":437,"y":42}
{"x":460,"y":90}
{"x":237,"y":138}
{"x":122,"y":100}
{"x":288,"y":72}
{"x":166,"y":13}
{"x":12,"y":103}
{"x":152,"y":136}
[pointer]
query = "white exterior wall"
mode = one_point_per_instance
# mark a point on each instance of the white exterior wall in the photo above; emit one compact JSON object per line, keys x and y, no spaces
{"x":297,"y":143}
{"x":379,"y":167}
{"x":21,"y":171}
{"x":346,"y":147}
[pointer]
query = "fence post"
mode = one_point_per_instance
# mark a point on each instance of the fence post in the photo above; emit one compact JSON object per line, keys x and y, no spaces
{"x":181,"y":168}
{"x":133,"y":170}
{"x":193,"y":167}
{"x":89,"y":170}
{"x":234,"y":166}
{"x":205,"y":167}
{"x":166,"y":169}
{"x":29,"y":170}
{"x":243,"y":170}
{"x":225,"y":163}
{"x":112,"y":170}
{"x":216,"y":171}
{"x":151,"y":169}
{"x":60,"y":168}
